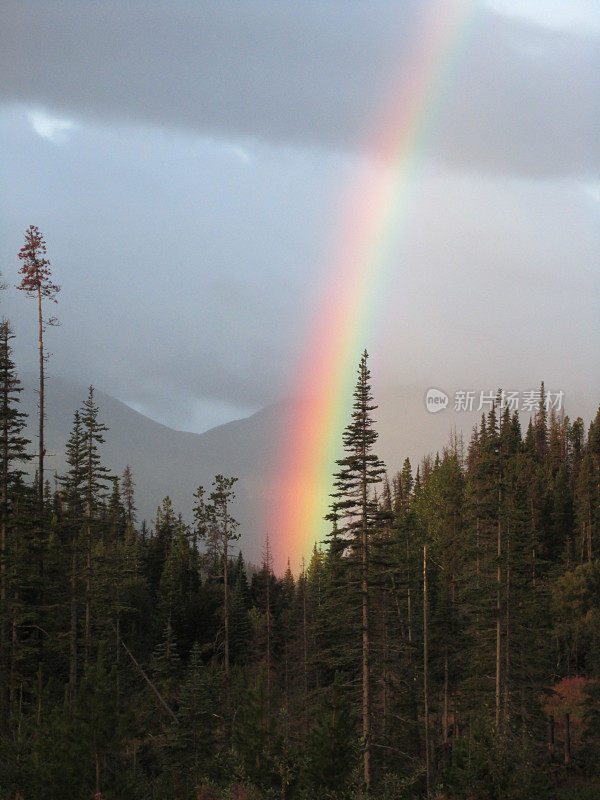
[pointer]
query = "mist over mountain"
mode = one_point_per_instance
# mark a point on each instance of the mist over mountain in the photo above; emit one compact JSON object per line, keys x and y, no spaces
{"x":165,"y":461}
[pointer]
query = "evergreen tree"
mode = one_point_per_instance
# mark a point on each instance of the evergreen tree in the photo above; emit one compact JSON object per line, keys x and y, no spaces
{"x":96,"y":475}
{"x":128,"y":487}
{"x":98,"y":718}
{"x":331,"y":748}
{"x":165,"y":527}
{"x":13,"y":457}
{"x":36,"y":283}
{"x":199,"y":734}
{"x":359,"y":470}
{"x":73,"y":487}
{"x":218,"y":529}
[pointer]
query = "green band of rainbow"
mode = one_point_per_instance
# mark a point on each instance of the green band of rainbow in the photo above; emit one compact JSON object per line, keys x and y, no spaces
{"x":378,"y":213}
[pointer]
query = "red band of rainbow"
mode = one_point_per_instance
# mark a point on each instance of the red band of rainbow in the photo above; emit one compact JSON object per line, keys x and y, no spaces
{"x":379,"y":205}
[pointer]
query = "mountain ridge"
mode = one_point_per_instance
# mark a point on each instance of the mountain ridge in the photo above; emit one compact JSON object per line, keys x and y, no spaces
{"x":165,"y":461}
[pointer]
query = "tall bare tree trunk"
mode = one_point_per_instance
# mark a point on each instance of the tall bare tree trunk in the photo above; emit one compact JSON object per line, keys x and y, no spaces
{"x":97,"y":765}
{"x":12,"y":683}
{"x":118,"y":650}
{"x":88,"y":591}
{"x":589,"y":532}
{"x":425,"y":677}
{"x":41,"y":431}
{"x":533,"y":544}
{"x":304,"y":634}
{"x":408,"y":601}
{"x":3,"y":620}
{"x":14,"y":632}
{"x":551,"y":736}
{"x":268,"y":573}
{"x":507,"y":631}
{"x":498,"y":625}
{"x":445,"y":712}
{"x":4,"y":511}
{"x":386,"y":683}
{"x":366,"y":643}
{"x":226,"y":614}
{"x":286,"y":693}
{"x":73,"y":627}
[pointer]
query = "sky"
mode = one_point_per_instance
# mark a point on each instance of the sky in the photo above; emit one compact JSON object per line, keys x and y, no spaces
{"x":189,"y":165}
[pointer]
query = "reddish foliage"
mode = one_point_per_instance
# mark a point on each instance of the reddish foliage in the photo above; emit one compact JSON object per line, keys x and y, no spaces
{"x":568,"y":697}
{"x":239,"y":791}
{"x":208,"y":793}
{"x":36,"y":267}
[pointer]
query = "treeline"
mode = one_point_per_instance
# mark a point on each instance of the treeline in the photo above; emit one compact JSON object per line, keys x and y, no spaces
{"x":444,"y":641}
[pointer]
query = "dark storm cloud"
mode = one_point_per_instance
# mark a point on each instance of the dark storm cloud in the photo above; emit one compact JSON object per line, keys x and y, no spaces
{"x":522,"y":98}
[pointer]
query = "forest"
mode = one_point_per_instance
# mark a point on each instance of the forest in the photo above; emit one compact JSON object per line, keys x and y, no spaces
{"x":442,"y":642}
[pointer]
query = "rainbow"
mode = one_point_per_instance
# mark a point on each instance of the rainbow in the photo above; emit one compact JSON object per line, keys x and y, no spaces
{"x":378,"y":212}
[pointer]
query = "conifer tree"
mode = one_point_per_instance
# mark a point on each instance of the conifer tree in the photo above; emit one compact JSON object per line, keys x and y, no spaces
{"x":359,"y":471}
{"x":98,"y":717}
{"x":73,"y":492}
{"x":95,"y":478}
{"x":331,"y":747}
{"x":585,"y":497}
{"x":13,"y":456}
{"x":115,"y":514}
{"x":37,"y":283}
{"x":128,"y":487}
{"x":197,"y":734}
{"x":218,"y":528}
{"x":267,"y":571}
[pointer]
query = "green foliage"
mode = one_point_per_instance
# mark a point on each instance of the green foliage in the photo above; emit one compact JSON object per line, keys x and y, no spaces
{"x":256,"y":741}
{"x":494,"y":765}
{"x":151,"y":662}
{"x":332,"y":745}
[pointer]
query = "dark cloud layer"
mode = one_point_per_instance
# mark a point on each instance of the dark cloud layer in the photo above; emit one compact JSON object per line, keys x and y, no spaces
{"x":522,"y":99}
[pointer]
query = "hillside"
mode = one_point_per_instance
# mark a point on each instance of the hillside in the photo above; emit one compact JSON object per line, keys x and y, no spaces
{"x":170,"y":462}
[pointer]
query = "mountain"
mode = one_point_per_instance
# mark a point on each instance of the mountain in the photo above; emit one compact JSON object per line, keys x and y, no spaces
{"x":163,"y":461}
{"x":170,"y":462}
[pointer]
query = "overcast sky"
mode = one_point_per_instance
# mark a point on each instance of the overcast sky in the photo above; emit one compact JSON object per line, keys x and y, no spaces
{"x":188,"y":163}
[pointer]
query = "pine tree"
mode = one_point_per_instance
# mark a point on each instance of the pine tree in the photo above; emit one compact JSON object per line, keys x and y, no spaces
{"x":586,"y":503}
{"x":218,"y":529}
{"x":267,"y":572}
{"x":36,"y":283}
{"x":439,"y":516}
{"x":12,"y":456}
{"x":128,"y":486}
{"x":165,"y":527}
{"x":166,"y":663}
{"x":97,"y":713}
{"x":331,"y":748}
{"x":115,"y":515}
{"x":96,"y":476}
{"x":239,"y":622}
{"x":541,"y":427}
{"x":73,"y":486}
{"x":175,"y":580}
{"x":198,"y":734}
{"x":359,"y":470}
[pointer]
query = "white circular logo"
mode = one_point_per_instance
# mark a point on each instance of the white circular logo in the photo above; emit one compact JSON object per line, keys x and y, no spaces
{"x":435,"y":400}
